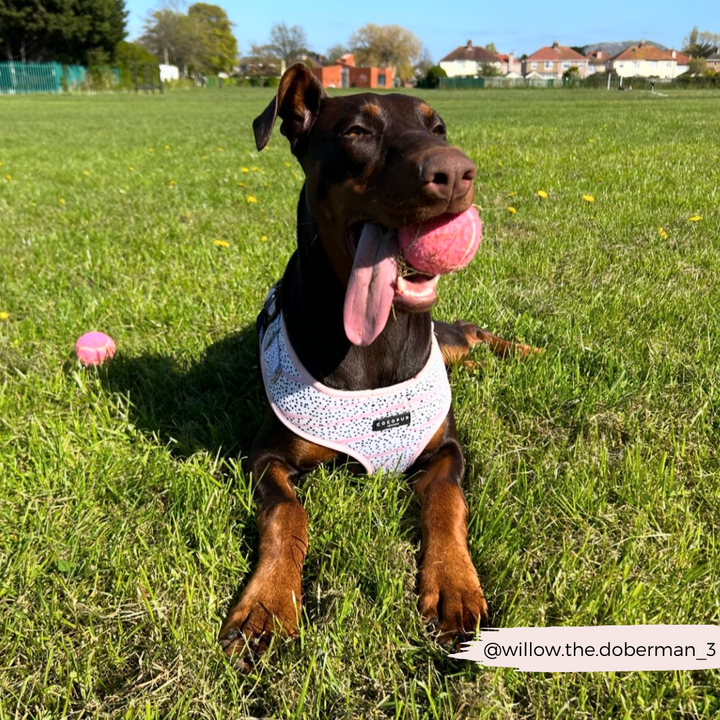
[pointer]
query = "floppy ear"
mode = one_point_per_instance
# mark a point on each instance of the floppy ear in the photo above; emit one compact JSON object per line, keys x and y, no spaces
{"x":297,"y":102}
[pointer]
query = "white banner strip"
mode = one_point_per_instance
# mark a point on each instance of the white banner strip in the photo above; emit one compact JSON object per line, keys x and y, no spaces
{"x":602,"y":648}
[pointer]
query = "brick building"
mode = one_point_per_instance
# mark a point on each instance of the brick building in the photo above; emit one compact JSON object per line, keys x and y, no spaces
{"x":344,"y":74}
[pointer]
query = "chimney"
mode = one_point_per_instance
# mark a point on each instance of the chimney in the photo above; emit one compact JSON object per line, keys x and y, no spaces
{"x":555,"y":45}
{"x":469,"y":44}
{"x":642,"y":43}
{"x":673,"y":54}
{"x":599,"y":54}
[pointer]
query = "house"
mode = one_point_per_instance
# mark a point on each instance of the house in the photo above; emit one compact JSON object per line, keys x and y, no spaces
{"x":552,"y":62}
{"x":510,"y":64}
{"x":643,"y":60}
{"x":713,"y":62}
{"x":344,"y":74}
{"x":597,"y":62}
{"x":468,"y":60}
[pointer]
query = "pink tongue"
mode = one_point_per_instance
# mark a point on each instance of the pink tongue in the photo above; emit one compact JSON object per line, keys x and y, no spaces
{"x":371,"y":287}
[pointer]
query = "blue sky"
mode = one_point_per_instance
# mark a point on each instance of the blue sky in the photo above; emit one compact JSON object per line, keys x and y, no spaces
{"x":522,"y":26}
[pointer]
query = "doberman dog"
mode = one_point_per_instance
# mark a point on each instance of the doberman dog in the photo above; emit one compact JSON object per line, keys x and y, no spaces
{"x":378,"y":161}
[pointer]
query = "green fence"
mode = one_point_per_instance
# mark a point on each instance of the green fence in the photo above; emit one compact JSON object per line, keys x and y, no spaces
{"x":477,"y":83}
{"x":18,"y":78}
{"x":23,"y":78}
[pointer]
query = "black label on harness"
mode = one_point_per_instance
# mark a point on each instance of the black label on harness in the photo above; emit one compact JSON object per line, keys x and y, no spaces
{"x":391,"y":422}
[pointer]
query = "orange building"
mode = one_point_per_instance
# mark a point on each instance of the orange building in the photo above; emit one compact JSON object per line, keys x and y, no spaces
{"x":345,"y":75}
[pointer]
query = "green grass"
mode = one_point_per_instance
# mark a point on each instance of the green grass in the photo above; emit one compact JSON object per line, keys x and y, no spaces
{"x":126,"y":524}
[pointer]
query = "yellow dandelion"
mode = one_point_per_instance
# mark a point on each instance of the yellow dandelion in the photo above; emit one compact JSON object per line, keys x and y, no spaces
{"x":254,"y":168}
{"x":264,"y":238}
{"x":244,"y":169}
{"x":167,"y":147}
{"x":172,"y":183}
{"x":151,"y":149}
{"x":287,"y":164}
{"x":8,"y":177}
{"x":251,"y":199}
{"x":588,"y":198}
{"x":86,"y":173}
{"x":4,"y":315}
{"x":221,"y":243}
{"x":499,"y":164}
{"x":512,"y":210}
{"x":591,"y":140}
{"x":542,"y":194}
{"x":511,"y":194}
{"x":241,"y":184}
{"x":131,"y":168}
{"x":61,"y":201}
{"x":1,"y":164}
{"x":695,"y":218}
{"x":204,"y":157}
{"x":663,"y":233}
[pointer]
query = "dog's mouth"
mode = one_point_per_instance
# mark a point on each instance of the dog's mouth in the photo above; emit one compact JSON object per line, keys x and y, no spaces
{"x":380,"y":278}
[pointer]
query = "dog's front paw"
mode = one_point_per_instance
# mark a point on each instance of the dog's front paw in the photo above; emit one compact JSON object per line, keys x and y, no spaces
{"x":451,"y":602}
{"x":264,"y":610}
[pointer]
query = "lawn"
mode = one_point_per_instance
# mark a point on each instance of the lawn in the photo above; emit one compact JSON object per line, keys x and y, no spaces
{"x":127,"y":524}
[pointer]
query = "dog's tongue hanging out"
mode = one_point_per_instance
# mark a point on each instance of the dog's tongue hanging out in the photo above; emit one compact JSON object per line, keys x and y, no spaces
{"x":439,"y":246}
{"x":371,"y":287}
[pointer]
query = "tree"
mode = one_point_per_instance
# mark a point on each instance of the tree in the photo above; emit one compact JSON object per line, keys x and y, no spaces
{"x":698,"y":66}
{"x":386,"y":46}
{"x":286,"y":45}
{"x":423,"y":63}
{"x":701,"y":44}
{"x":128,"y":54}
{"x":173,"y":36}
{"x":82,"y":31}
{"x":490,"y":47}
{"x":335,"y":53}
{"x":489,"y":69}
{"x":572,"y":73}
{"x":219,"y":49}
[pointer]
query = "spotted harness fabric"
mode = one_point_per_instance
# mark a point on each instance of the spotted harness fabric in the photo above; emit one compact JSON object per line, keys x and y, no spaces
{"x":386,"y":428}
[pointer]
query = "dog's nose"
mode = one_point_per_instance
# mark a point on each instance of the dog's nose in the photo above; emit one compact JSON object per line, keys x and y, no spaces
{"x":448,"y":174}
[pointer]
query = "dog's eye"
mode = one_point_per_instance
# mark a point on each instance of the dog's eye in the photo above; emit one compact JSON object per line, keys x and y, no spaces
{"x":356,"y":131}
{"x":439,"y":129}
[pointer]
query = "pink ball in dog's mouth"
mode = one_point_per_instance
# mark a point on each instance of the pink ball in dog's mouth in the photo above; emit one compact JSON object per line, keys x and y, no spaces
{"x":94,"y":348}
{"x":442,"y":244}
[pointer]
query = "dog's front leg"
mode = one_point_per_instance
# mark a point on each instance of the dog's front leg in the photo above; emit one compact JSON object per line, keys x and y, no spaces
{"x":271,"y":600}
{"x":451,"y":598}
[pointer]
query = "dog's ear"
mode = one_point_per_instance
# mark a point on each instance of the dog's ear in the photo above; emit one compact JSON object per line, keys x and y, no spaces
{"x":297,"y":102}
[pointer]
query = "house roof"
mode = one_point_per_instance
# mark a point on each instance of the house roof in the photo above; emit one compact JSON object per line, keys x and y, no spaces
{"x":714,"y":56}
{"x":650,"y":52}
{"x":470,"y":52}
{"x":595,"y":60}
{"x":556,"y":52}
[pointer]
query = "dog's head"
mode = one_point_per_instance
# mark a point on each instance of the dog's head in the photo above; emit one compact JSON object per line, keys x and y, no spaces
{"x":374,"y":164}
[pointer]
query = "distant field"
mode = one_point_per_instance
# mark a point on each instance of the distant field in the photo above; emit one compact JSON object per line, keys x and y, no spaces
{"x":126,"y":524}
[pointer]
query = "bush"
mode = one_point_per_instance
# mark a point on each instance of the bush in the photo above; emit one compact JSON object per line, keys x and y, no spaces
{"x":432,"y":78}
{"x":128,"y":54}
{"x":272,"y":82}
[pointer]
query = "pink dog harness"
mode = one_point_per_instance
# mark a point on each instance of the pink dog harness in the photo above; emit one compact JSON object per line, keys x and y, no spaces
{"x":386,"y":428}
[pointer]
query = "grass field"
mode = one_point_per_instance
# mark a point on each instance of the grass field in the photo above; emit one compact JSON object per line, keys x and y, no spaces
{"x":127,"y":525}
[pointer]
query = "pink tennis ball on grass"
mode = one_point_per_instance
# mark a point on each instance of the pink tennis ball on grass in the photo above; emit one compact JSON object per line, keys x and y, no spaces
{"x":442,"y":244}
{"x":94,"y":348}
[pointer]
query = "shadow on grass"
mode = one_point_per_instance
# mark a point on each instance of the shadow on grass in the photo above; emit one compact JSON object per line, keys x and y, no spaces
{"x":217,"y":404}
